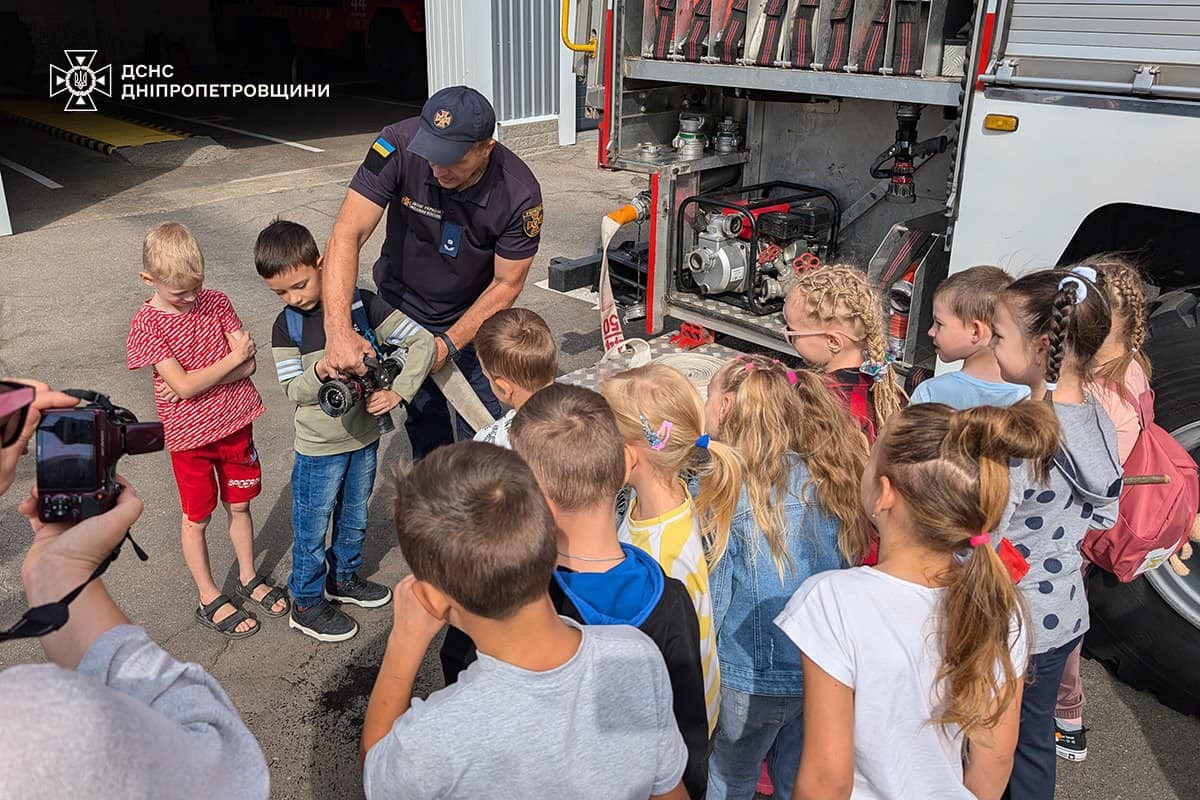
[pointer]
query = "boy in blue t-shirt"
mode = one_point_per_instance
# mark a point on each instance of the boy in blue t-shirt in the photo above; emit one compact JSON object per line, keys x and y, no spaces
{"x":962,"y":330}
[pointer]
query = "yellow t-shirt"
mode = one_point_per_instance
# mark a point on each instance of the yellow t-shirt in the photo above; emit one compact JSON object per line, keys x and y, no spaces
{"x":674,"y":541}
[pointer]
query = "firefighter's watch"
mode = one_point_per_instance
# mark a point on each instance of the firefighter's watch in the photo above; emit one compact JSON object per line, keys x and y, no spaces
{"x":451,"y":350}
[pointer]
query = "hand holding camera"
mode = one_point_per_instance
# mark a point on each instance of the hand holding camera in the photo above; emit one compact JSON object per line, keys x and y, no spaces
{"x":64,"y":555}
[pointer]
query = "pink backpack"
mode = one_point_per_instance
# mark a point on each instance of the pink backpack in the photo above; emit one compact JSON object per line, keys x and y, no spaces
{"x":1155,"y":515}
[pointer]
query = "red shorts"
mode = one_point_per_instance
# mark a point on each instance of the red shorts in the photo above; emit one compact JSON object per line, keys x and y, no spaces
{"x":231,"y":462}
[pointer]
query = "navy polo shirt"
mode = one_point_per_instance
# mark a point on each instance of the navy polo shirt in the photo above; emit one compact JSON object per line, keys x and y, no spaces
{"x":440,"y":249}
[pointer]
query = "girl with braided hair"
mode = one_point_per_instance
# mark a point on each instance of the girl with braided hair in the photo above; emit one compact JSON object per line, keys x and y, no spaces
{"x":835,"y":322}
{"x":913,"y":668}
{"x":1049,"y":326}
{"x":798,"y":514}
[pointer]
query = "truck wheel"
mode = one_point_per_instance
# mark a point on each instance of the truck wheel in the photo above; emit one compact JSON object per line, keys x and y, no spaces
{"x":1148,"y":631}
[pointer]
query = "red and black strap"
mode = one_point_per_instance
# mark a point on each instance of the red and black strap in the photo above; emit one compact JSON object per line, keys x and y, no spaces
{"x":729,"y":43}
{"x":909,"y":52}
{"x":774,"y":12}
{"x":693,"y":44}
{"x":839,"y":34}
{"x":876,"y":41}
{"x":664,"y":27}
{"x":802,"y":36}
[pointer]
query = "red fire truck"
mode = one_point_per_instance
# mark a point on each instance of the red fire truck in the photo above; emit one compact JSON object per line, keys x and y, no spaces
{"x":916,"y":138}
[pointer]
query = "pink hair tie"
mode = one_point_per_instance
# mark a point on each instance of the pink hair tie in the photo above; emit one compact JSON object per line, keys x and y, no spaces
{"x":980,"y":539}
{"x":791,"y":376}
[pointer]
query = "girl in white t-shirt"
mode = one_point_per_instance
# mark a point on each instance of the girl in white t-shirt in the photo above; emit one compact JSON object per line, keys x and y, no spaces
{"x":913,"y":668}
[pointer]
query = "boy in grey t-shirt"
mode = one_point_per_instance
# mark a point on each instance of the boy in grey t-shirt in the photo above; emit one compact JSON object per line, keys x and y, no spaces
{"x":550,"y":709}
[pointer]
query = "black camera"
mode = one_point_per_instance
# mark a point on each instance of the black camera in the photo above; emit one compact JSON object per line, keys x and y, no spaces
{"x":77,"y":453}
{"x":337,"y":396}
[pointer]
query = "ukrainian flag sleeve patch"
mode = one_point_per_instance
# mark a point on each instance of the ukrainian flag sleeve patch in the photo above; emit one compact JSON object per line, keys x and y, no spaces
{"x":377,"y":156}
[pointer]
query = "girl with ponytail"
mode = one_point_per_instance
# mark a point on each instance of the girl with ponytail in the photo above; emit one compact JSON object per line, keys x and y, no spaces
{"x":1048,"y":329}
{"x":835,"y":322}
{"x":661,"y":419}
{"x":909,"y":661}
{"x":798,"y":514}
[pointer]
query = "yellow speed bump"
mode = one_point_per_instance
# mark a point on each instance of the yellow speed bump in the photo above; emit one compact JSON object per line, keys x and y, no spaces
{"x":88,"y":128}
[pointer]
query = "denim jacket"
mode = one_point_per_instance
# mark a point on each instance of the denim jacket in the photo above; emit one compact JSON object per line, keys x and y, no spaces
{"x":747,"y":593}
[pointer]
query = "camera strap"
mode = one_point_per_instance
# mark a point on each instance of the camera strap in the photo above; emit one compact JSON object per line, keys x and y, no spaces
{"x":47,"y":618}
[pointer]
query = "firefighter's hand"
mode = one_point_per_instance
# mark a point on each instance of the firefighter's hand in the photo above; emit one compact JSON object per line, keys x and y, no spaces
{"x":344,"y":351}
{"x":440,"y":354}
{"x":382,"y":401}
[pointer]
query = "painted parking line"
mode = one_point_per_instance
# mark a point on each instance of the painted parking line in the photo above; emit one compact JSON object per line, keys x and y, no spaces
{"x":406,"y":104}
{"x":295,"y":171}
{"x":230,"y":128}
{"x":28,"y":173}
{"x":583,"y":293}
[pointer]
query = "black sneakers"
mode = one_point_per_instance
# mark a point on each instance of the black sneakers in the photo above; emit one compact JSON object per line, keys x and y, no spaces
{"x":1071,"y":745}
{"x":358,"y":591}
{"x":323,"y":622}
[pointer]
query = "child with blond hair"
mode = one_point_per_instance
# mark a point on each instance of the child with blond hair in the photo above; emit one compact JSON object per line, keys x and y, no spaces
{"x":203,"y":358}
{"x":835,"y":323}
{"x":661,"y":419}
{"x":518,"y":356}
{"x":798,"y":514}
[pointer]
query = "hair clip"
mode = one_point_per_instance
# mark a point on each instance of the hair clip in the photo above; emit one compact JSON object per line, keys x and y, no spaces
{"x":1080,"y":277}
{"x":657,"y":441}
{"x":702,"y":442}
{"x":980,"y":539}
{"x":877,"y":370}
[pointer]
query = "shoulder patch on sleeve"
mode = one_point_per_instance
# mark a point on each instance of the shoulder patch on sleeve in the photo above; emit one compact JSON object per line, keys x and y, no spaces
{"x":380,"y":151}
{"x":533,"y":220}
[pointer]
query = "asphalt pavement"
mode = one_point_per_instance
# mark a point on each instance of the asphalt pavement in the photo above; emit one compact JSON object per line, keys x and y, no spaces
{"x":69,"y":286}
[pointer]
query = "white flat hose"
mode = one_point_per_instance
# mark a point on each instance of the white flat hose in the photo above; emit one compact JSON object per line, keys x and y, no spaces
{"x":611,"y":334}
{"x":462,"y":397}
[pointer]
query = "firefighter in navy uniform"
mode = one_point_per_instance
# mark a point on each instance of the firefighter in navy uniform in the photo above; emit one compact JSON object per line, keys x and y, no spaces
{"x":464,"y":222}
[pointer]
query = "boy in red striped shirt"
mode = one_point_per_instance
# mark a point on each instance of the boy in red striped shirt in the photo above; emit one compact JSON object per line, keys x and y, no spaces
{"x":203,"y":359}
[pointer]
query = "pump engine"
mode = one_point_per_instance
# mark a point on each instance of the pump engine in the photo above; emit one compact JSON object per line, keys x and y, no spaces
{"x":745,"y":246}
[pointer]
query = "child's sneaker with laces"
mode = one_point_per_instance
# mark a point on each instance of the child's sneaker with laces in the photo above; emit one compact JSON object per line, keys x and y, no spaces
{"x":1070,"y":745}
{"x":323,"y":622}
{"x":358,"y":591}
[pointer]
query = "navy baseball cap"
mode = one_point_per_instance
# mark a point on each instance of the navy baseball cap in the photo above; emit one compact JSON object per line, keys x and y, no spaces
{"x":453,"y":120}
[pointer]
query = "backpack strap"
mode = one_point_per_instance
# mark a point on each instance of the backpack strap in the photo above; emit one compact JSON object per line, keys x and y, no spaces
{"x":1145,"y":408}
{"x":358,"y":318}
{"x":295,"y":324}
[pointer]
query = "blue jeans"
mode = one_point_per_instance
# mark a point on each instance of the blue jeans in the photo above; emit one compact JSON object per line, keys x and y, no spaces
{"x":428,"y":422}
{"x":751,"y":728}
{"x":1035,"y":762}
{"x":336,"y":486}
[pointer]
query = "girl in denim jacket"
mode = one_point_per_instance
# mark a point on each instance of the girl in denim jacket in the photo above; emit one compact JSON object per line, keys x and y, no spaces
{"x":798,"y":514}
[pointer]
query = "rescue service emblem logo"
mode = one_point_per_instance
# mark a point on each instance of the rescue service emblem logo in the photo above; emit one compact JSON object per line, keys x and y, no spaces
{"x":533,"y":220}
{"x":442,"y":118}
{"x":80,"y":80}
